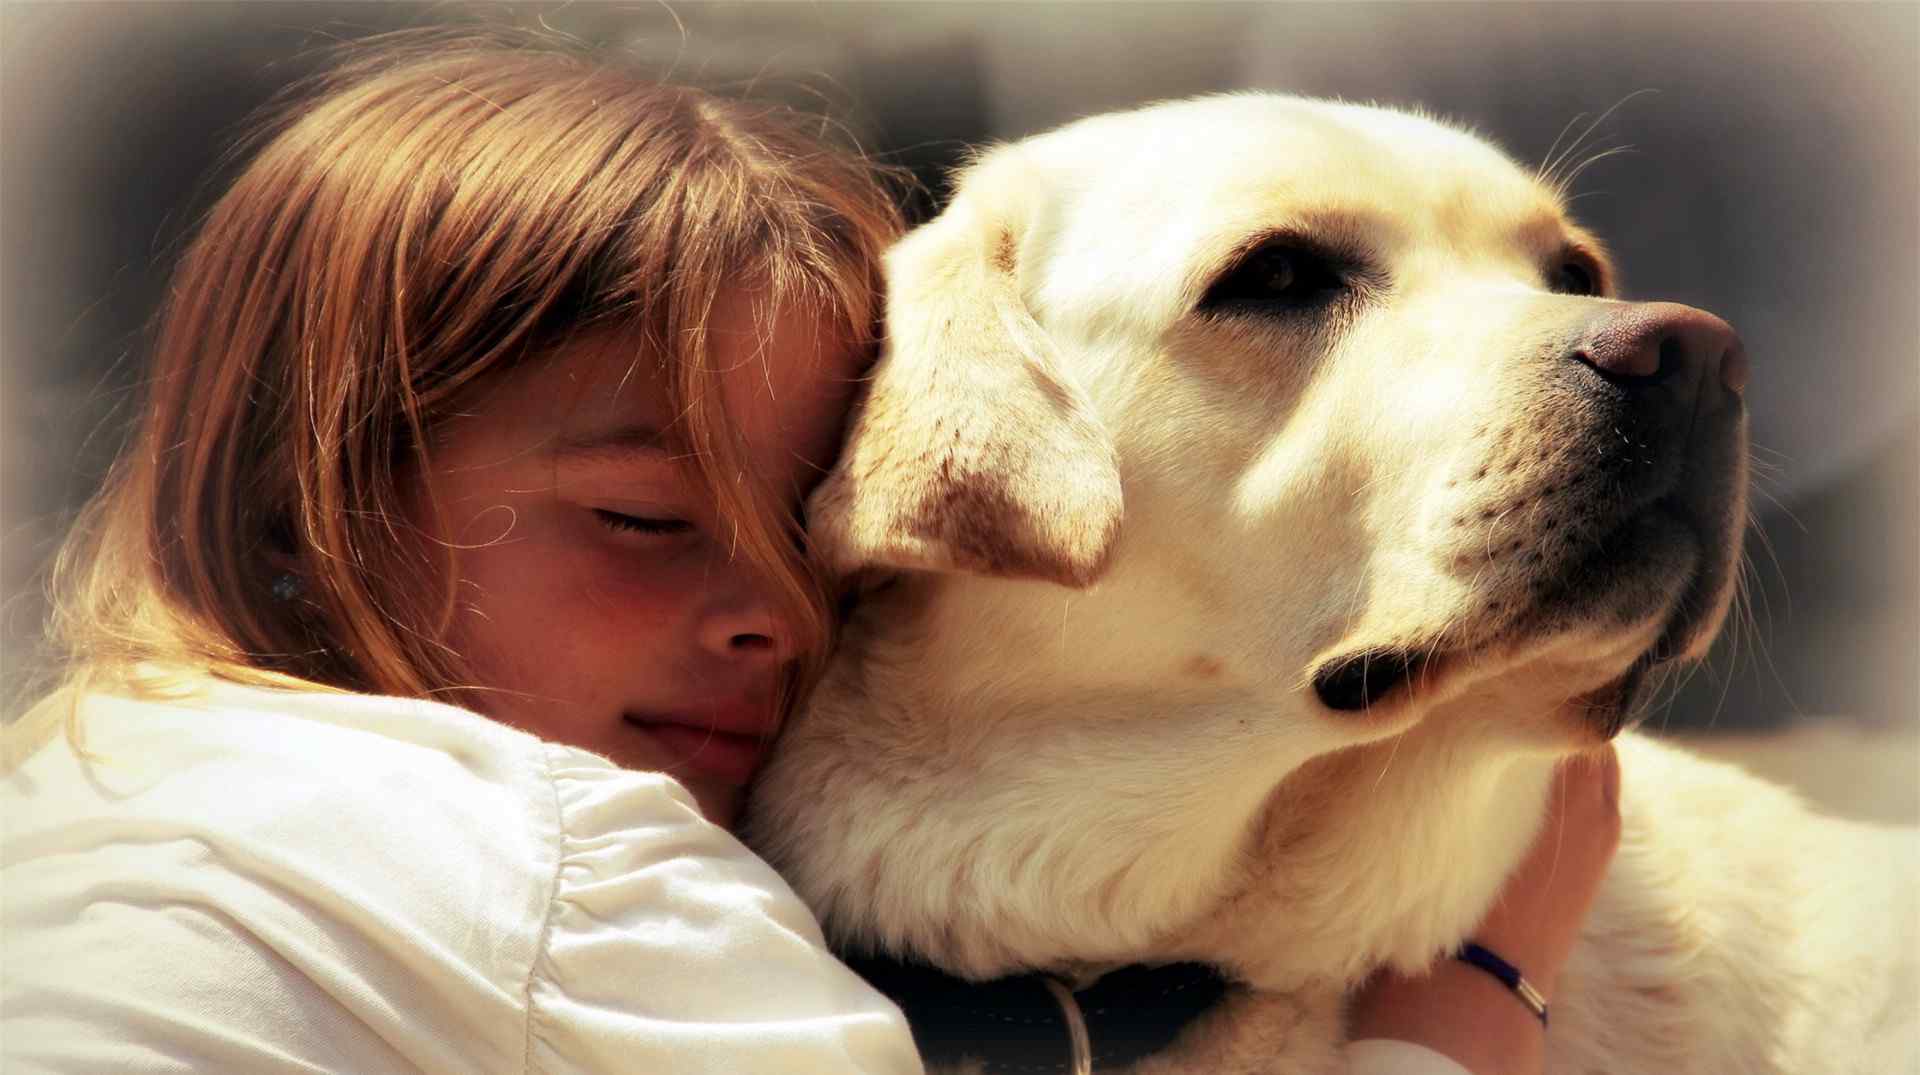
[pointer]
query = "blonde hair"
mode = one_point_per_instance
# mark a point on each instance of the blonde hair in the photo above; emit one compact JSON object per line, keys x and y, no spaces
{"x":429,"y":213}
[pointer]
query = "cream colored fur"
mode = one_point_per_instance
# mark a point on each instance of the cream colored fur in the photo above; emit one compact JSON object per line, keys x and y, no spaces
{"x":1109,"y":538}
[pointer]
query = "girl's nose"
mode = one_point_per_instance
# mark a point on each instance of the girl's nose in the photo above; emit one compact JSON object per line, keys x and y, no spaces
{"x":744,"y":626}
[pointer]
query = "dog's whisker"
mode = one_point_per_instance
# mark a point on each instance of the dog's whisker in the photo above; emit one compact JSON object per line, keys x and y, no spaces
{"x":1562,"y":183}
{"x":1779,"y":506}
{"x":1574,"y":146}
{"x":1392,"y":750}
{"x":1766,"y":545}
{"x":1733,"y":654}
{"x":1763,"y":654}
{"x":1545,"y":170}
{"x":1575,"y":173}
{"x":1065,"y":601}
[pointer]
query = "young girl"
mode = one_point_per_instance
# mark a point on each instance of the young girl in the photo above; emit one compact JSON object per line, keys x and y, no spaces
{"x":426,"y":634}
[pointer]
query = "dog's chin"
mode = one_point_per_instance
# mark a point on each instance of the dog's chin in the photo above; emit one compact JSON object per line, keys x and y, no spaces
{"x":1654,"y":594}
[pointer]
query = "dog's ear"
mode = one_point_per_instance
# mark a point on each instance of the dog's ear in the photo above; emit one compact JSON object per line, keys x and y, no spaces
{"x":972,"y":451}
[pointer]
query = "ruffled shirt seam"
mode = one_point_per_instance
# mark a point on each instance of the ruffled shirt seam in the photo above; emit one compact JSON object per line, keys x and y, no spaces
{"x":553,"y":898}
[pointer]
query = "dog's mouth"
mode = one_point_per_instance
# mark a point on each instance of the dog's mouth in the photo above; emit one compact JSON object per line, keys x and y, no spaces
{"x":1387,"y":680}
{"x":1631,"y":608}
{"x":1669,"y":571}
{"x":1358,"y":682}
{"x":1609,"y":588}
{"x":1612,"y":709}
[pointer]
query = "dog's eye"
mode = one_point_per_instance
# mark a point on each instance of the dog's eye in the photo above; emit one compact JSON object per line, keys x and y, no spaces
{"x":1277,"y":277}
{"x":1574,"y":278}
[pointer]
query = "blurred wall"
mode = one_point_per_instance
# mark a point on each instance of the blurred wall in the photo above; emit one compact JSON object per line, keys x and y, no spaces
{"x":1773,"y":177}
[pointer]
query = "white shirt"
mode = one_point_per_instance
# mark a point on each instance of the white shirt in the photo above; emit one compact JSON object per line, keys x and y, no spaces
{"x":279,"y":881}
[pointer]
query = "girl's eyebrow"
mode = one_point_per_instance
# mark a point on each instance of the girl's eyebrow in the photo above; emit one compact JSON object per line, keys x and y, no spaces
{"x":617,"y":444}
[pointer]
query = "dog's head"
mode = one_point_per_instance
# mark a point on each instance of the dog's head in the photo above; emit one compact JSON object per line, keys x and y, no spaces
{"x":1211,"y":440}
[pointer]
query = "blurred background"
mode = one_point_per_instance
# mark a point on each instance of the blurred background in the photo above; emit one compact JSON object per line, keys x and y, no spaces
{"x":1770,"y":173}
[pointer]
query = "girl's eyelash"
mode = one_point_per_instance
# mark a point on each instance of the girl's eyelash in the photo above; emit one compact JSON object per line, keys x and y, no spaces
{"x":635,"y":524}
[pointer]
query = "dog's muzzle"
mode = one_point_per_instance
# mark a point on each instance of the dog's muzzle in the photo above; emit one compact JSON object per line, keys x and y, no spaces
{"x":1603,"y":490}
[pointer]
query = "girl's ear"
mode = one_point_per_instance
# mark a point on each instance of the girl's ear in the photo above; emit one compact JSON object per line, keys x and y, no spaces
{"x":972,"y":452}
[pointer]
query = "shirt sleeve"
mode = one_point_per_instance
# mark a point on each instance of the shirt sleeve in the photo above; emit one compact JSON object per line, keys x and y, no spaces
{"x":1381,"y":1056}
{"x":671,"y":947}
{"x":270,"y":881}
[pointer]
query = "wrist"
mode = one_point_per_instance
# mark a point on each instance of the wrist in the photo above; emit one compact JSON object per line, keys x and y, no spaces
{"x":1479,"y":956}
{"x":1539,"y":958}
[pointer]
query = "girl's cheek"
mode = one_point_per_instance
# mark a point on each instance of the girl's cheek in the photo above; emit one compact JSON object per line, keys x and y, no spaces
{"x":635,"y":576}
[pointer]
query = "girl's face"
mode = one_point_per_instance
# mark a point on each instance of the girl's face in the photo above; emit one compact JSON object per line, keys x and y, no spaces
{"x":599,"y":603}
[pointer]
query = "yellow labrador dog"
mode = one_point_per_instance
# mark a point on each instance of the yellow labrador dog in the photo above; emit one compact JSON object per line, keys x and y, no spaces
{"x":1257,"y":497}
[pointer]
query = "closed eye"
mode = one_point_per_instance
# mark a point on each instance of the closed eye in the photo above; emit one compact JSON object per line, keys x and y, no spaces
{"x":638,"y":524}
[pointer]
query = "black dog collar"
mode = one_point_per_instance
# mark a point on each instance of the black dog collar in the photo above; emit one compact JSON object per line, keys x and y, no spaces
{"x":1016,"y":1026}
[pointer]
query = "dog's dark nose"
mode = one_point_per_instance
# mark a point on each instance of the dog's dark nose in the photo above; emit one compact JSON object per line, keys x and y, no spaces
{"x":1653,"y":343}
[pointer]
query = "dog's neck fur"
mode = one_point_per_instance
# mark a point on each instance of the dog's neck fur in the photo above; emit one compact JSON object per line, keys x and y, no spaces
{"x":1381,"y":904}
{"x":911,"y":831}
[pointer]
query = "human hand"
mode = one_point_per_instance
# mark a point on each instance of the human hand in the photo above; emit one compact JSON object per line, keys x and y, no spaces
{"x":1466,"y":1013}
{"x":1537,"y":918}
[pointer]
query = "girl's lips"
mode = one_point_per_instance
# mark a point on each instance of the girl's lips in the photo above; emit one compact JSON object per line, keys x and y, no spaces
{"x":685,"y":749}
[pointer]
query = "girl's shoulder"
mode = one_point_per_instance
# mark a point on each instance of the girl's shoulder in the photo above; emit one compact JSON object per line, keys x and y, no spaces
{"x":249,"y":753}
{"x":353,"y":776}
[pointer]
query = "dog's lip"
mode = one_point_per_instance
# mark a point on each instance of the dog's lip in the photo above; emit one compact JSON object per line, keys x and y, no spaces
{"x":1358,"y":680}
{"x":1688,"y":609}
{"x":1359,"y":677}
{"x":1613,"y":708}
